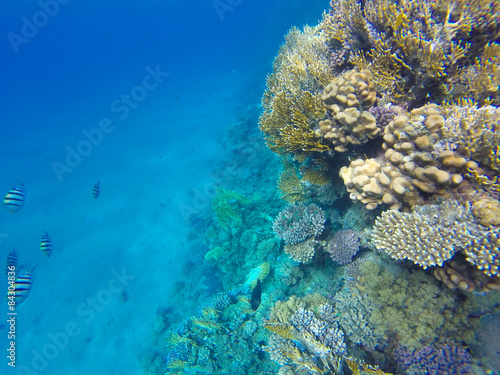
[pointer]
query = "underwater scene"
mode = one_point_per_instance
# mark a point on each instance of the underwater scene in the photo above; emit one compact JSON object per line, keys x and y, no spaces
{"x":250,"y":187}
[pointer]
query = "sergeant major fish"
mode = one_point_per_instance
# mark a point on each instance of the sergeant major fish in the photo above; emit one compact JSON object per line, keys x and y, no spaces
{"x":46,"y":245}
{"x":12,"y":260}
{"x":14,"y":200}
{"x":96,"y":191}
{"x":23,"y":286}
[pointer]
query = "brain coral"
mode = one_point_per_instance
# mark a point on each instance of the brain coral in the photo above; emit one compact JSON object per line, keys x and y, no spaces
{"x":428,"y":236}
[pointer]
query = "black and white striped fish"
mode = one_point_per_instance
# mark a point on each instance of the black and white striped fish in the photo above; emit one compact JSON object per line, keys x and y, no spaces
{"x":46,"y":245}
{"x":96,"y":191}
{"x":23,"y":286}
{"x":12,"y":260}
{"x":14,"y":199}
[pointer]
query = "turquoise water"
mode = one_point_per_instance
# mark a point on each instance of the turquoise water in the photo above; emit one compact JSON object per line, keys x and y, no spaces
{"x":178,"y":265}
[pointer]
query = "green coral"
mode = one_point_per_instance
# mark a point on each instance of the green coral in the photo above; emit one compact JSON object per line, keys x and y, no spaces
{"x":228,"y":205}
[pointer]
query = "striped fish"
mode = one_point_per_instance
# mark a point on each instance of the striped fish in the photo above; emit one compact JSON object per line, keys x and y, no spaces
{"x":14,"y":199}
{"x":12,"y":260}
{"x":96,"y":190}
{"x":23,"y":286}
{"x":46,"y":245}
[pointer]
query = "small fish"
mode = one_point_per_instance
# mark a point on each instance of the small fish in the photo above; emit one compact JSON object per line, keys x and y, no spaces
{"x":46,"y":245}
{"x":14,"y":199}
{"x":23,"y":286}
{"x":96,"y":191}
{"x":12,"y":260}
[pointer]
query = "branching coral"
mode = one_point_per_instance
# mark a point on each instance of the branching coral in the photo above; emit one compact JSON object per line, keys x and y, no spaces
{"x":299,"y":222}
{"x":292,"y":101}
{"x":413,"y":48}
{"x":412,"y":307}
{"x":343,"y":246}
{"x":428,"y":236}
{"x":321,"y":341}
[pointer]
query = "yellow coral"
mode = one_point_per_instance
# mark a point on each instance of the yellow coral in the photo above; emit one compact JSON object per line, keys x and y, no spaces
{"x":487,"y":211}
{"x":483,"y":77}
{"x":292,"y":102}
{"x":289,"y":183}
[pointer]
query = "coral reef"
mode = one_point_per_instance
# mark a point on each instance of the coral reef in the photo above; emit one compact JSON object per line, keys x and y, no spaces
{"x":399,"y":101}
{"x":407,"y":306}
{"x":347,"y":98}
{"x":299,"y":222}
{"x":413,"y":48}
{"x":343,"y":246}
{"x":428,"y":236}
{"x":443,"y":359}
{"x":302,"y":338}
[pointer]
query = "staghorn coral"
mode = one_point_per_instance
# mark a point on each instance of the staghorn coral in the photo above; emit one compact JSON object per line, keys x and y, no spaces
{"x":343,"y":246}
{"x":298,"y":222}
{"x":428,"y":236}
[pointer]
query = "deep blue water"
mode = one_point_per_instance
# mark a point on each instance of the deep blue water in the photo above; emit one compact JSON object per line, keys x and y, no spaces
{"x":141,"y":91}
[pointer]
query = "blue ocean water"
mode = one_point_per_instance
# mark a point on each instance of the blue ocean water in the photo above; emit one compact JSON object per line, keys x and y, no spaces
{"x":136,"y":95}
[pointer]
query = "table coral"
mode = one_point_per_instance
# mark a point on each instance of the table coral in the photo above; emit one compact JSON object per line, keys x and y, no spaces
{"x":484,"y":252}
{"x":428,"y":236}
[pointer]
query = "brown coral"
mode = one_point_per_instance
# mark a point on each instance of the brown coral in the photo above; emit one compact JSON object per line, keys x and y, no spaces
{"x":348,"y":97}
{"x":374,"y":182}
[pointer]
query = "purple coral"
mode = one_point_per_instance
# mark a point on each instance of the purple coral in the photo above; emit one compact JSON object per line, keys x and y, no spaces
{"x":298,"y":222}
{"x":384,"y":114}
{"x":443,"y":359}
{"x":344,"y":246}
